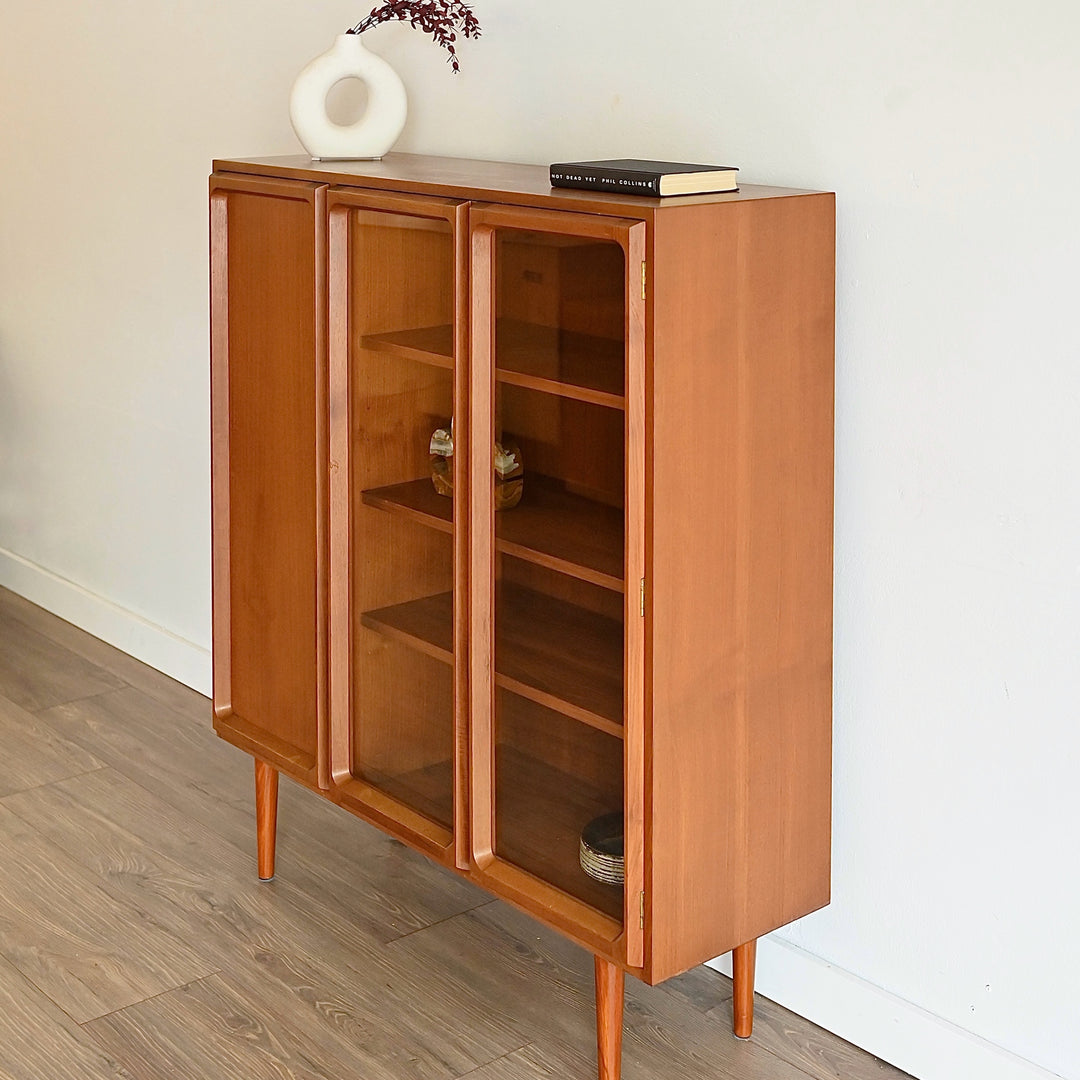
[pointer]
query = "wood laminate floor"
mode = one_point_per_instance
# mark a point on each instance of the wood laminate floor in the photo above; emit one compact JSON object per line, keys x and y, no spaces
{"x":136,"y":942}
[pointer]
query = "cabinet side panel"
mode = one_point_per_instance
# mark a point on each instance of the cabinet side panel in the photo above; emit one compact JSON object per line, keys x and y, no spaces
{"x":272,"y":270}
{"x":741,"y":572}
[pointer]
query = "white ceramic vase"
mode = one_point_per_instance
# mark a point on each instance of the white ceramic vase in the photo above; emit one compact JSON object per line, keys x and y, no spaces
{"x":376,"y":130}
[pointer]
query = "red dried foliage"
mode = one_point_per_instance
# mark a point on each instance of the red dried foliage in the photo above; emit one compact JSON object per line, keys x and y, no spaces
{"x":442,"y":19}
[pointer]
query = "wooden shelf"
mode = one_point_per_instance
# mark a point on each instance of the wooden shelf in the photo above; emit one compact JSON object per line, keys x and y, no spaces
{"x":415,"y":499}
{"x":578,"y":366}
{"x":545,"y":358}
{"x":540,"y":811}
{"x":560,"y":655}
{"x":551,"y":526}
{"x":429,"y":344}
{"x":563,"y":531}
{"x":426,"y":624}
{"x":539,"y":814}
{"x":428,"y":791}
{"x":549,"y":651}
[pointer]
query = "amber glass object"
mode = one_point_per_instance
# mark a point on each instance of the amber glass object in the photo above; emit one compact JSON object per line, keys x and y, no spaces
{"x":509,"y":468}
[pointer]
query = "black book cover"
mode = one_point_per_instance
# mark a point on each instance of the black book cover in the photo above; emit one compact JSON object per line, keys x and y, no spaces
{"x":631,"y":176}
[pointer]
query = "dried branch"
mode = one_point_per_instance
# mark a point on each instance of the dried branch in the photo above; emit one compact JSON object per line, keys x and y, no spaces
{"x":442,"y":19}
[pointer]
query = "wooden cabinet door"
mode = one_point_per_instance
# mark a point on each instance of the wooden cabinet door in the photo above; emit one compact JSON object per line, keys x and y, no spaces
{"x":557,"y":457}
{"x":268,"y":377}
{"x":399,"y":515}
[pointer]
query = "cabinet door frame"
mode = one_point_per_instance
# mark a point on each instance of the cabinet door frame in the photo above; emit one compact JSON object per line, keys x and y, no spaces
{"x":363,"y":798}
{"x":624,"y":943}
{"x":236,"y":729}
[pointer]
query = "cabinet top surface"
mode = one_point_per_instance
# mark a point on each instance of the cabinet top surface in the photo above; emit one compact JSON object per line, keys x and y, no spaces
{"x":466,"y":178}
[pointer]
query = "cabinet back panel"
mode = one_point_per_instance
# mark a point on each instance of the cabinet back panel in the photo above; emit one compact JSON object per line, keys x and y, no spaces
{"x":561,"y":586}
{"x":568,"y":282}
{"x":553,"y":775}
{"x":402,"y":272}
{"x":573,"y":441}
{"x":403,"y":724}
{"x":402,"y":709}
{"x":272,"y":455}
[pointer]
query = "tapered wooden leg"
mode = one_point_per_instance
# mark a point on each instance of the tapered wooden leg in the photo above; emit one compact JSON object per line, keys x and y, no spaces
{"x":266,"y":783}
{"x":609,"y":1011}
{"x":742,"y":970}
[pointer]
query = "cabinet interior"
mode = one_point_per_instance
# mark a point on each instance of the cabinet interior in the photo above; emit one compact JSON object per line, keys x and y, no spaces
{"x":559,"y":373}
{"x":559,"y":589}
{"x":401,"y":568}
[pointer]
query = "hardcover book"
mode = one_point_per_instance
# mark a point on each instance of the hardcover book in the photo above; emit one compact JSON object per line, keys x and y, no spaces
{"x":634,"y":176}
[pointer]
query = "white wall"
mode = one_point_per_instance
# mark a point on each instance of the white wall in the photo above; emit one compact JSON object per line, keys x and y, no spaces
{"x":949,"y":132}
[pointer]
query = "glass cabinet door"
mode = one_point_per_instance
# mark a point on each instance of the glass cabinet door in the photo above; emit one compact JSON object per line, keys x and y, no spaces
{"x":397,"y":367}
{"x":557,"y":471}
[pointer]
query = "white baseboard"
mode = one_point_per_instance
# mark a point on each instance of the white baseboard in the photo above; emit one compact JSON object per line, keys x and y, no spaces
{"x":177,"y":657}
{"x":892,"y":1029}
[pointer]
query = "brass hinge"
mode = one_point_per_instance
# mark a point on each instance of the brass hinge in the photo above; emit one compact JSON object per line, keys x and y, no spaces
{"x":643,"y":598}
{"x":641,"y":910}
{"x":642,"y":279}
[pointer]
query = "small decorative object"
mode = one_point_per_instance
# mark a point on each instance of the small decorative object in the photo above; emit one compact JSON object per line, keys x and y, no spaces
{"x":509,"y":474}
{"x":442,"y":460}
{"x":509,"y":469}
{"x":382,"y":122}
{"x":601,"y":850}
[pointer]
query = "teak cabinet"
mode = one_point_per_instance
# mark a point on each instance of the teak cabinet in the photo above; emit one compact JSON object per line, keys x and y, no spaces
{"x":648,"y":632}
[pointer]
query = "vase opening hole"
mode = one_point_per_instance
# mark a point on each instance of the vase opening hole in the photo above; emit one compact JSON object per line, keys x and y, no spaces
{"x":346,"y":101}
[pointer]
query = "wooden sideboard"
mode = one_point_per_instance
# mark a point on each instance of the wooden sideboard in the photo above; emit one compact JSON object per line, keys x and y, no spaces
{"x":648,"y":632}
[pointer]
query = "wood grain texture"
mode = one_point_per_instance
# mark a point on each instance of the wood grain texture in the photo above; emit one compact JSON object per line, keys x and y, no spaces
{"x":117,"y":819}
{"x":636,"y":912}
{"x":160,"y":749}
{"x":395,"y":266}
{"x":551,"y":526}
{"x":743,"y":959}
{"x":34,"y":754}
{"x":540,"y":811}
{"x":266,"y":803}
{"x":534,"y":973}
{"x":609,"y":1019}
{"x":206,"y":1029}
{"x":740,"y":667}
{"x":90,"y":957}
{"x":555,"y":527}
{"x":38,"y":1039}
{"x":398,"y":985}
{"x":819,"y":1053}
{"x":480,"y":478}
{"x":583,"y":367}
{"x":268,"y":393}
{"x":557,"y":654}
{"x":461,"y":178}
{"x":36,"y":672}
{"x":579,"y":678}
{"x":70,"y":644}
{"x":307,"y":946}
{"x":669,"y":361}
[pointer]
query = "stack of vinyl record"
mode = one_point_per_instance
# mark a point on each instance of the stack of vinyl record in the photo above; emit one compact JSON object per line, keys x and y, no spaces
{"x":601,"y":849}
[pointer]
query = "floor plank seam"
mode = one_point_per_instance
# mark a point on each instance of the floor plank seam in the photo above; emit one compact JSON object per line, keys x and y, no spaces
{"x":440,"y":922}
{"x":47,"y":996}
{"x":493,"y":1061}
{"x":75,"y":700}
{"x":88,"y":1024}
{"x":785,"y":1062}
{"x":356,"y":1003}
{"x":48,"y":784}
